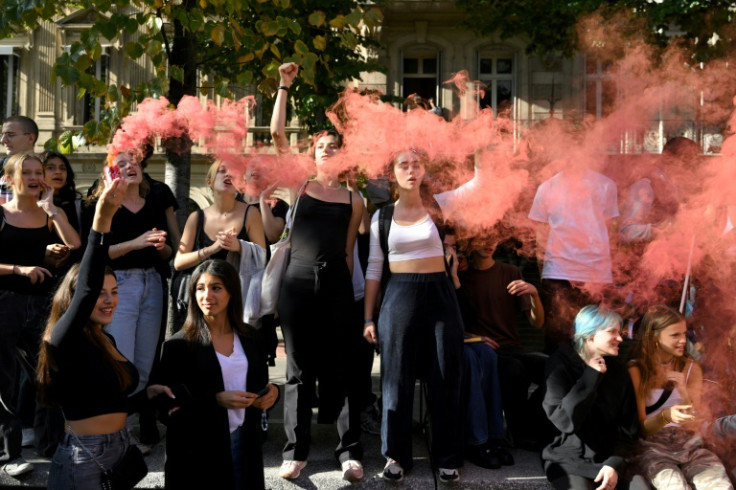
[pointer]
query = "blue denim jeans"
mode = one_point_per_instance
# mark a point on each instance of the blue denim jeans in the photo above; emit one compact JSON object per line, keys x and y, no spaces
{"x":484,"y":410}
{"x":421,"y":335}
{"x":74,"y":468}
{"x":236,"y":437}
{"x":137,"y":320}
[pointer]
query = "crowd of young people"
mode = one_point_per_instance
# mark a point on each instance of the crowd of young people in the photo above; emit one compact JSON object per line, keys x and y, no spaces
{"x":615,"y":425}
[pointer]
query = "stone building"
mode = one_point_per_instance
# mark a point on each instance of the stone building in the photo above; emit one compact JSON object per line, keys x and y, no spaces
{"x":424,"y":44}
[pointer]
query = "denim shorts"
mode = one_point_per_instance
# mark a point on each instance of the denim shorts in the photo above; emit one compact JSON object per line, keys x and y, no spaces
{"x":74,"y":468}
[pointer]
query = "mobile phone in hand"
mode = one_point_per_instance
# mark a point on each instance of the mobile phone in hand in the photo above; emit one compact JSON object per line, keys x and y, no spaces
{"x":262,"y":392}
{"x":112,"y":172}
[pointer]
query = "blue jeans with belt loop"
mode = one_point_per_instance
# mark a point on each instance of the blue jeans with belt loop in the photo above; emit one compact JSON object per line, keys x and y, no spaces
{"x":137,"y":320}
{"x":73,"y":466}
{"x":421,"y":334}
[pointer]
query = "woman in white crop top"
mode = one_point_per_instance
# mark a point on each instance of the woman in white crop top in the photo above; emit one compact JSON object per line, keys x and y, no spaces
{"x":420,"y":330}
{"x":668,"y":384}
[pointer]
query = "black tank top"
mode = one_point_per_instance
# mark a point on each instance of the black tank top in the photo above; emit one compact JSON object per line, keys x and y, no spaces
{"x":206,"y":241}
{"x":320,"y":230}
{"x":24,"y":247}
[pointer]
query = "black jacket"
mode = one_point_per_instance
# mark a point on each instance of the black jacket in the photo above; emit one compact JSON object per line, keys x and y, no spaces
{"x":595,"y":414}
{"x":198,"y":436}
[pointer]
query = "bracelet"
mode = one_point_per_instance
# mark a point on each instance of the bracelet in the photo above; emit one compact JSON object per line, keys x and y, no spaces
{"x":664,"y":419}
{"x":54,"y":214}
{"x":199,"y":255}
{"x":283,"y":87}
{"x":367,"y":320}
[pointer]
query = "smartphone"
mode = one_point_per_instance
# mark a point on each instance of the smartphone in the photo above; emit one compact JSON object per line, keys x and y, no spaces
{"x":112,"y":172}
{"x":262,"y":392}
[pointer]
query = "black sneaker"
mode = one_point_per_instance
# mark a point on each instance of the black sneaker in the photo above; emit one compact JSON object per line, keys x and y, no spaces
{"x":481,"y":456}
{"x":393,"y":471}
{"x":502,"y":454}
{"x":449,"y":475}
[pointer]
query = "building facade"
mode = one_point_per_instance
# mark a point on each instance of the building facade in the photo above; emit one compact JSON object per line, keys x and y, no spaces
{"x":424,"y":46}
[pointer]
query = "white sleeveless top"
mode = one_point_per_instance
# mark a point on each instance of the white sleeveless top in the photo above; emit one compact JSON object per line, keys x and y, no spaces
{"x":234,"y":373}
{"x":674,"y":399}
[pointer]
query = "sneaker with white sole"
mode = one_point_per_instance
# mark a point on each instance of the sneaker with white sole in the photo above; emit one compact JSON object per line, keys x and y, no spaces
{"x":393,"y":471}
{"x":352,"y":470}
{"x":449,"y":475}
{"x":17,"y":467}
{"x":291,"y":469}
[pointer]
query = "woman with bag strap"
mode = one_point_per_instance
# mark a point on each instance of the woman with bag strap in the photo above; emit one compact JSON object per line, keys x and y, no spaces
{"x":81,"y":370}
{"x":315,"y":300}
{"x":217,"y":229}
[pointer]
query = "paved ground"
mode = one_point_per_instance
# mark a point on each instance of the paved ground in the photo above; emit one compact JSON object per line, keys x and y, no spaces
{"x":322,"y":472}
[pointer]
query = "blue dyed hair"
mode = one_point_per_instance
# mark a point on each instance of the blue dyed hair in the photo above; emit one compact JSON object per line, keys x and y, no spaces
{"x":590,"y":320}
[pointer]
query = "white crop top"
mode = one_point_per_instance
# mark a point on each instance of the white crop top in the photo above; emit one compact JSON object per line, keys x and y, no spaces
{"x":405,"y":242}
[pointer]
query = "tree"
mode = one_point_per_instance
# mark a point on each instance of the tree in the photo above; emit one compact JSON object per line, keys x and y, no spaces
{"x":226,"y":42}
{"x":702,"y":27}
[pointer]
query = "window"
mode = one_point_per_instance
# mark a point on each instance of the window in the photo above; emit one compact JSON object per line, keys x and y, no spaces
{"x":420,"y":72}
{"x":496,"y":72}
{"x":89,"y":108}
{"x":9,"y":79}
{"x":600,"y":88}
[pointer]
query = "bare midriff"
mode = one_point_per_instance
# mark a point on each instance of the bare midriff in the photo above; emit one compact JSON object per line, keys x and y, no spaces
{"x":427,"y":265}
{"x":107,"y":423}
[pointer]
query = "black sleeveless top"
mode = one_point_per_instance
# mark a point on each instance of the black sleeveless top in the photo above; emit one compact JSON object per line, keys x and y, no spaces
{"x":24,"y":247}
{"x":320,"y":230}
{"x":202,"y":240}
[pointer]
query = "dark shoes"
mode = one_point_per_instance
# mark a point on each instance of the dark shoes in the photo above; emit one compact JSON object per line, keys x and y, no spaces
{"x":481,"y":456}
{"x":491,"y":455}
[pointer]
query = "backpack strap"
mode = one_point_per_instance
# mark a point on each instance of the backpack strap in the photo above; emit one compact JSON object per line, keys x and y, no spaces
{"x":385,"y":216}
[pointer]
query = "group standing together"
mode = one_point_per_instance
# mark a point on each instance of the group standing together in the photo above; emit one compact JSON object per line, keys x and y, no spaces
{"x":101,"y":357}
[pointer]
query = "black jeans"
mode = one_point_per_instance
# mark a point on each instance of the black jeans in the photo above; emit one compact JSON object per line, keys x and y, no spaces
{"x":316,"y":310}
{"x":22,"y":320}
{"x":421,"y":334}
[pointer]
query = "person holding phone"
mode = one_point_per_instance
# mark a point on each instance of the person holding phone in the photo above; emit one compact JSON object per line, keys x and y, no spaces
{"x":218,"y":372}
{"x":668,"y":384}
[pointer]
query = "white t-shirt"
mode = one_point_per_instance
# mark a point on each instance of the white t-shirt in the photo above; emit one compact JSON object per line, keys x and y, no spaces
{"x":576,"y":208}
{"x":234,"y":374}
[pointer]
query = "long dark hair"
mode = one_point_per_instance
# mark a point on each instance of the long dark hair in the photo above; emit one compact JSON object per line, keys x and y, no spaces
{"x":46,"y":363}
{"x":68,"y":193}
{"x":195,"y":328}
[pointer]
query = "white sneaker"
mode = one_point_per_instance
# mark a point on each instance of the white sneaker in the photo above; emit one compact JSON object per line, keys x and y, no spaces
{"x":17,"y":467}
{"x":291,"y":469}
{"x":352,"y":470}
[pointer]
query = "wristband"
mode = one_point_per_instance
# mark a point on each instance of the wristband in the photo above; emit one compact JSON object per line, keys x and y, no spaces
{"x":283,"y":87}
{"x":367,"y":320}
{"x":54,"y":214}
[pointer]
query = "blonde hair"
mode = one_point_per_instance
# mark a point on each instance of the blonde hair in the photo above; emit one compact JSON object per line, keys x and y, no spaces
{"x":209,"y":177}
{"x":14,"y":166}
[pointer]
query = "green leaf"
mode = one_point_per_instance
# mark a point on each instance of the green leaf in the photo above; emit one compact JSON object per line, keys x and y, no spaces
{"x":245,"y":78}
{"x":275,"y":50}
{"x":177,"y":73}
{"x":270,"y":28}
{"x":319,"y":42}
{"x":217,"y":34}
{"x":113,"y":94}
{"x":301,"y":48}
{"x":354,"y":17}
{"x":317,"y":18}
{"x":338,"y":22}
{"x":134,"y":50}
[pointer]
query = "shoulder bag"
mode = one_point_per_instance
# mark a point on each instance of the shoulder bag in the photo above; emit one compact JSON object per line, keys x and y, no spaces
{"x":274,"y":272}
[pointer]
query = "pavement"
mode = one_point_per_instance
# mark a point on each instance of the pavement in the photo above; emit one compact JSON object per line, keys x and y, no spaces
{"x":323,"y":471}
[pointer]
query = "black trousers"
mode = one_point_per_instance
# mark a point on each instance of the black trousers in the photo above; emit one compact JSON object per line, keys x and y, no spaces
{"x":316,"y":308}
{"x":22,"y":320}
{"x":421,"y":335}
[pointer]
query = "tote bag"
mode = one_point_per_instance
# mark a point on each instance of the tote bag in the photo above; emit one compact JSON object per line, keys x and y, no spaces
{"x":276,"y":267}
